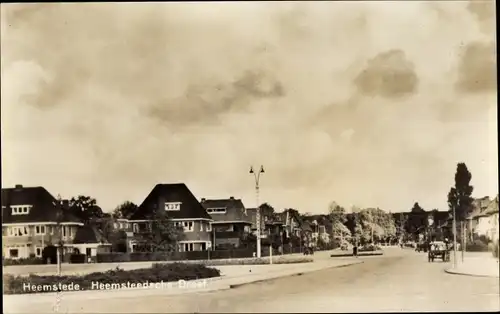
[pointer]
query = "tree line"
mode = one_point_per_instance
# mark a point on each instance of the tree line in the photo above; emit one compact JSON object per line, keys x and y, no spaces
{"x":363,"y":225}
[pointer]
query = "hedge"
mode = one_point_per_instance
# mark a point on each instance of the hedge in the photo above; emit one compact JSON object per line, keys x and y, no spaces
{"x":157,"y":273}
{"x":369,"y":248}
{"x":476,"y":246}
{"x":23,"y":261}
{"x":280,"y":259}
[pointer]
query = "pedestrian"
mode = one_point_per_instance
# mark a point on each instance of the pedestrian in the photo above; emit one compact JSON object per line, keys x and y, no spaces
{"x":355,"y":249}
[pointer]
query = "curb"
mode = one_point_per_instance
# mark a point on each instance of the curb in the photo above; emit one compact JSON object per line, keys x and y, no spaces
{"x":458,"y":273}
{"x":233,"y":286}
{"x":359,"y":254}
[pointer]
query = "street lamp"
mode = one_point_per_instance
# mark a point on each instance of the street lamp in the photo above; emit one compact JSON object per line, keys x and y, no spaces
{"x":257,"y":211}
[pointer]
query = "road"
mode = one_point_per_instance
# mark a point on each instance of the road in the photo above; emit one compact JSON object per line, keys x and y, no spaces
{"x":402,"y":280}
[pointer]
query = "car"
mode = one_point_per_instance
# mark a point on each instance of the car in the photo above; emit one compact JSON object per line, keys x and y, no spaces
{"x":439,"y":250}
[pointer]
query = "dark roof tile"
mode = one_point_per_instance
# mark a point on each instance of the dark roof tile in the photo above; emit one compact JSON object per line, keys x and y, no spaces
{"x":42,"y":210}
{"x":235,"y":210}
{"x":177,"y":192}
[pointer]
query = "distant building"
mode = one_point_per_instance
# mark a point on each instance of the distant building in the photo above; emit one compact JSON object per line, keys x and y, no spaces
{"x":182,"y":208}
{"x":231,"y":221}
{"x":32,"y":219}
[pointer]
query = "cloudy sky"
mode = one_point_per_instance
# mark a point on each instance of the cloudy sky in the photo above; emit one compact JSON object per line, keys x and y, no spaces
{"x":364,"y":103}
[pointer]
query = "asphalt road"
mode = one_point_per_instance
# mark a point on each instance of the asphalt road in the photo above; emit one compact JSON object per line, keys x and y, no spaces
{"x":402,"y":280}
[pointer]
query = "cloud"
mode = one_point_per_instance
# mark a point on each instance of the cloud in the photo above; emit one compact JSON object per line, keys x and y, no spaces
{"x":114,"y":98}
{"x":389,"y":74}
{"x":477,"y":68}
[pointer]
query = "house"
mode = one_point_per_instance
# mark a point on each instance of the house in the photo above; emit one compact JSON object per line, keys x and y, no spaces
{"x":230,"y":221}
{"x":487,"y":221}
{"x":182,"y":208}
{"x":291,"y":219}
{"x":32,"y":219}
{"x":479,"y":205}
{"x":321,"y":229}
{"x":271,"y":223}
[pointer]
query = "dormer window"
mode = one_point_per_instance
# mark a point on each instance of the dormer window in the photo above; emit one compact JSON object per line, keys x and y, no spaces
{"x":216,"y":210}
{"x":173,"y":206}
{"x":21,"y":209}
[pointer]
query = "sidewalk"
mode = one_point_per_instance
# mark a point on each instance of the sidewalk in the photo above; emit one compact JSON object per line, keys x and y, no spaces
{"x":232,"y":276}
{"x":475,"y":264}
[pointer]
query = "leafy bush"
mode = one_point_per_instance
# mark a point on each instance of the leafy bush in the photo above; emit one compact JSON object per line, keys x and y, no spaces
{"x":369,"y":248}
{"x":23,"y":261}
{"x":157,"y":273}
{"x":494,"y":247}
{"x":477,"y":246}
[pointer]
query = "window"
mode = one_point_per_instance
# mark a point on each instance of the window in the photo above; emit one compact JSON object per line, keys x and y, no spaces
{"x":188,"y":247}
{"x":216,"y":210}
{"x":38,"y":251}
{"x":201,"y":226}
{"x":64,"y":231}
{"x":14,"y":253}
{"x":172,"y":206}
{"x":226,"y":228}
{"x":39,"y":230}
{"x":4,"y":232}
{"x":69,"y":231}
{"x":18,"y":231}
{"x":20,"y":209}
{"x":135,"y":227}
{"x":209,"y":227}
{"x":188,"y":226}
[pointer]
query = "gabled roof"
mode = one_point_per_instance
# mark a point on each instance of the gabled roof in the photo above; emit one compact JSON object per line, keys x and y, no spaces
{"x":176,"y":192}
{"x":88,"y":234}
{"x":235,"y":210}
{"x":492,"y":207}
{"x":42,"y":202}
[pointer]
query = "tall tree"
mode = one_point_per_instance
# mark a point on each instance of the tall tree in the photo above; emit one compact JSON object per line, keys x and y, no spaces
{"x":337,"y":217}
{"x":162,"y":234}
{"x":124,"y":210}
{"x":85,"y":208}
{"x":417,"y":220}
{"x":459,"y":197}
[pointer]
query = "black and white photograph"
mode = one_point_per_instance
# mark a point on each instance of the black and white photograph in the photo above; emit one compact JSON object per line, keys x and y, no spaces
{"x":249,"y":157}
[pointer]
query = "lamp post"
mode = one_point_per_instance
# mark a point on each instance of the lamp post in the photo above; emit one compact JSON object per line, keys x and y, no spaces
{"x":257,"y":174}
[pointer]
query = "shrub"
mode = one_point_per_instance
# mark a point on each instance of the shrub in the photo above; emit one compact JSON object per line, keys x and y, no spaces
{"x":477,"y":246}
{"x":369,"y":248}
{"x":494,"y":248}
{"x":77,"y":258}
{"x":23,"y":261}
{"x":157,"y":273}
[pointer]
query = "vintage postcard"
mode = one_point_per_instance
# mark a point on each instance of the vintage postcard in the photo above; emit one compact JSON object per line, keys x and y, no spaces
{"x":249,"y":157}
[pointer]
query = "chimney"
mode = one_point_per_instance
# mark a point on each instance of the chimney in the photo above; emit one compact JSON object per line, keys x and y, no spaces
{"x":203,"y":199}
{"x":19,"y":186}
{"x":231,"y":198}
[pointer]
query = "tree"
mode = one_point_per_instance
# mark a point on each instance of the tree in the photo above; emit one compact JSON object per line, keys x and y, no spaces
{"x":161,"y":235}
{"x":336,"y":213}
{"x":337,"y":217}
{"x":459,"y":197}
{"x":85,"y":208}
{"x":125,"y":210}
{"x":417,"y":220}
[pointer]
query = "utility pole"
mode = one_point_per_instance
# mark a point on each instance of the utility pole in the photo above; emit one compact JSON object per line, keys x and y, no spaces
{"x":257,"y":211}
{"x":59,"y":206}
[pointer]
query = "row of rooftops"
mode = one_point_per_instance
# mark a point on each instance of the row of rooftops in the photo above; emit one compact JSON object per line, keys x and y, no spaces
{"x":217,"y":210}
